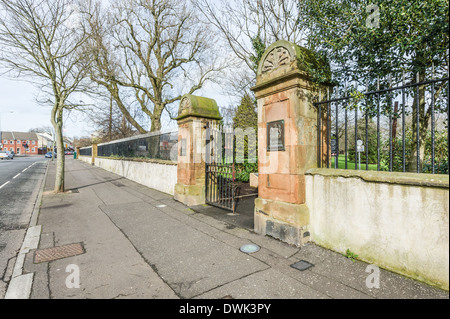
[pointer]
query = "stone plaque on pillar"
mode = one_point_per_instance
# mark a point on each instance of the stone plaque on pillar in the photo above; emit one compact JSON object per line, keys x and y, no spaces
{"x":287,"y":140}
{"x":275,"y":136}
{"x":193,"y":115}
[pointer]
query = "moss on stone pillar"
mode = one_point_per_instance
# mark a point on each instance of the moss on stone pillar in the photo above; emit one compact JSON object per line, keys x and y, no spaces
{"x":193,"y":115}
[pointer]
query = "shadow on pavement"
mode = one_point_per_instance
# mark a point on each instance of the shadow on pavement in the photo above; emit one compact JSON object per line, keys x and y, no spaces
{"x":243,"y":218}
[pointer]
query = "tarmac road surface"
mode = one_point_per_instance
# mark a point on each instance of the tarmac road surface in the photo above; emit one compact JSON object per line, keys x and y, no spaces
{"x":20,"y":180}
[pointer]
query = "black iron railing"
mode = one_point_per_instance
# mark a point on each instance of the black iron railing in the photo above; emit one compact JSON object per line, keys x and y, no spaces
{"x":86,"y":151}
{"x":220,"y":172}
{"x":365,"y":124}
{"x":151,"y":146}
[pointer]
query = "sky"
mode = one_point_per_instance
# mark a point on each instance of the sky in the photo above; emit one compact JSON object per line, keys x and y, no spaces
{"x":19,"y":98}
{"x":20,"y":111}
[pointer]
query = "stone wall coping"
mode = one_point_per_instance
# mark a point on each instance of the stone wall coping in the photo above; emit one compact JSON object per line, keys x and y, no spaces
{"x":139,"y":159}
{"x":198,"y":106}
{"x":399,"y":178}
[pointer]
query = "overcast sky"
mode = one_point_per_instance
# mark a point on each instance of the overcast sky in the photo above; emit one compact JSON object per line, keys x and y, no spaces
{"x":20,"y":111}
{"x":19,"y":98}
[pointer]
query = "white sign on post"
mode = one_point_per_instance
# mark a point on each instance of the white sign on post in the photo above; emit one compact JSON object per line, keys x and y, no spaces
{"x":359,"y":146}
{"x":359,"y":149}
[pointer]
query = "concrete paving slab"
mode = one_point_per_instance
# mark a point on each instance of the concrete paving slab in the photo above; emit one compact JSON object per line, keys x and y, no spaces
{"x":112,"y":194}
{"x":111,"y":267}
{"x":20,"y":287}
{"x":31,"y":241}
{"x":190,"y":261}
{"x":267,"y":284}
{"x":136,"y":248}
{"x":354,"y":274}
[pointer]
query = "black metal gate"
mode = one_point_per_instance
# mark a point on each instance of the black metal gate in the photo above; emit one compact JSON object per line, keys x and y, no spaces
{"x":220,"y":169}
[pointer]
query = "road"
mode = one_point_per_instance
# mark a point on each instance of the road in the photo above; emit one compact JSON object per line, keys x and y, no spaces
{"x":20,"y":181}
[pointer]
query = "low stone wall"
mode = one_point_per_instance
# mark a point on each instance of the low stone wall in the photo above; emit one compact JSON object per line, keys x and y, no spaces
{"x":158,"y":175}
{"x":86,"y":159}
{"x":397,"y":221}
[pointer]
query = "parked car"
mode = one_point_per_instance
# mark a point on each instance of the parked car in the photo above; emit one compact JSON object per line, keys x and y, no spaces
{"x":49,"y":155}
{"x":4,"y":155}
{"x":12,"y":154}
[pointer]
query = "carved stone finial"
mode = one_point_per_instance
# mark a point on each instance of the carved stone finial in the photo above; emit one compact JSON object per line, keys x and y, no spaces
{"x":284,"y":58}
{"x":185,"y":105}
{"x":277,"y":57}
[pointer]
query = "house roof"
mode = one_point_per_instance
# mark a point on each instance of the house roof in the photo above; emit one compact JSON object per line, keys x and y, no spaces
{"x":19,"y":136}
{"x":47,"y":136}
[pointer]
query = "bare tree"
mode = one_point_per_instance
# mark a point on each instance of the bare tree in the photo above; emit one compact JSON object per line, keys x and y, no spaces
{"x":42,"y":42}
{"x":42,"y":129}
{"x":157,"y":49}
{"x":110,"y":122}
{"x":248,"y":27}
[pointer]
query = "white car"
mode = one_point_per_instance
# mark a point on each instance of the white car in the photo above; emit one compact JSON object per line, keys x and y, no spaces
{"x":4,"y":154}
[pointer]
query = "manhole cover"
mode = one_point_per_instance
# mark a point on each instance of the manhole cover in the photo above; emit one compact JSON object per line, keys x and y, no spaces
{"x":50,"y":254}
{"x":302,"y":265}
{"x":249,"y":248}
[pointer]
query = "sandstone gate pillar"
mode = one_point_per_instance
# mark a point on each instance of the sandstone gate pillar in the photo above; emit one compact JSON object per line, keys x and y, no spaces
{"x":94,"y":153}
{"x":287,"y":141}
{"x":193,"y":115}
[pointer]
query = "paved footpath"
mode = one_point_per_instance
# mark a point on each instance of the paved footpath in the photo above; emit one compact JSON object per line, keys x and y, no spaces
{"x":141,"y":243}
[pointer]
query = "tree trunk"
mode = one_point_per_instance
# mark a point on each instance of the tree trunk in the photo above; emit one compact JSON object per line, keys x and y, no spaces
{"x":57,"y":121}
{"x":156,"y":121}
{"x":154,"y":145}
{"x":114,"y":91}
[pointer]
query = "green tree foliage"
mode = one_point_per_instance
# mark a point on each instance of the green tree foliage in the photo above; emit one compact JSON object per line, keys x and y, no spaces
{"x":367,"y":40}
{"x":246,"y":114}
{"x":370,"y":143}
{"x":440,"y":157}
{"x":259,"y":48}
{"x":246,"y":119}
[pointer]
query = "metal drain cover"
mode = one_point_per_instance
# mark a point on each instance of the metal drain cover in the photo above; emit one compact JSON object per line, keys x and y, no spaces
{"x":302,"y":265}
{"x":249,"y":248}
{"x":50,"y":254}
